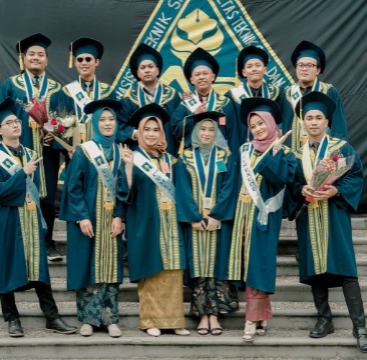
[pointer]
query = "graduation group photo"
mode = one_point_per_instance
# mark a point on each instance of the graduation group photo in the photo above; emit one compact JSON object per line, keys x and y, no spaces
{"x":172,"y":185}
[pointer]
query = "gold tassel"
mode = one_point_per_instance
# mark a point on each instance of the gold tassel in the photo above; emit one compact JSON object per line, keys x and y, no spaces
{"x":71,"y":56}
{"x":21,"y":65}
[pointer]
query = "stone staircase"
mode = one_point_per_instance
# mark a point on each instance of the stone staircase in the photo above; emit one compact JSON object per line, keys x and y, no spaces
{"x":287,"y":338}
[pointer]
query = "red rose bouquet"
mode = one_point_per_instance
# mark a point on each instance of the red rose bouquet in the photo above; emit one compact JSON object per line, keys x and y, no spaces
{"x":36,"y":109}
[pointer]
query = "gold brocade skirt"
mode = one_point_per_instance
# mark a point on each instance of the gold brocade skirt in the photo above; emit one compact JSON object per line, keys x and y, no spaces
{"x":161,"y":301}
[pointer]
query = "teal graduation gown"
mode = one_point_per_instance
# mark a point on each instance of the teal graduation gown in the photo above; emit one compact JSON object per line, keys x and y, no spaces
{"x":215,"y":253}
{"x":169,"y":100}
{"x":338,"y":256}
{"x":13,"y":267}
{"x":144,"y":229}
{"x":254,"y":262}
{"x":229,"y":129}
{"x":79,"y":202}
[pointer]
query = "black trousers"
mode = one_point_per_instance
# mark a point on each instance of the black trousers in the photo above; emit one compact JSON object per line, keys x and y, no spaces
{"x":45,"y":298}
{"x":353,"y":299}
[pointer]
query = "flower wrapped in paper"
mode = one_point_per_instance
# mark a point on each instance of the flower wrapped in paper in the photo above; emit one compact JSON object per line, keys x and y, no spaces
{"x":36,"y":109}
{"x":64,"y":129}
{"x":328,"y":170}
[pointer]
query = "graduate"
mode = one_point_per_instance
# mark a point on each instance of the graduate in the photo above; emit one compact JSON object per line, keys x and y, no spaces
{"x":154,"y":241}
{"x":33,"y":82}
{"x":94,"y":222}
{"x":325,"y":245}
{"x":251,"y":68}
{"x":201,"y":69}
{"x":146,"y":65}
{"x":23,"y":258}
{"x":87,"y":53}
{"x":266,"y":166}
{"x":309,"y":61}
{"x":205,"y":203}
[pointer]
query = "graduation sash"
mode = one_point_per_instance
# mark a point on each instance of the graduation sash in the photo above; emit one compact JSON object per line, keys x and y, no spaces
{"x":194,"y":101}
{"x":32,"y":197}
{"x":206,"y":176}
{"x":249,"y":178}
{"x":296,"y":93}
{"x":142,"y":96}
{"x":32,"y":92}
{"x":244,"y":92}
{"x":163,"y":182}
{"x":107,"y":176}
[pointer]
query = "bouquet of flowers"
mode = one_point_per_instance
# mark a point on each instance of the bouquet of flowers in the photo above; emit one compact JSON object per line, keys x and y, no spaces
{"x":329,"y":170}
{"x":36,"y":109}
{"x":65,"y":129}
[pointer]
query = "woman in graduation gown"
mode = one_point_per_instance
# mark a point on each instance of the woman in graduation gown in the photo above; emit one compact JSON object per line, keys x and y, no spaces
{"x":206,"y":203}
{"x":94,"y":222}
{"x":266,"y":166}
{"x":155,"y":245}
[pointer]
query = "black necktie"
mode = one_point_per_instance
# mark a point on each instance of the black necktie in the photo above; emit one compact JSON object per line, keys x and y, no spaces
{"x":36,"y":81}
{"x":314,"y":146}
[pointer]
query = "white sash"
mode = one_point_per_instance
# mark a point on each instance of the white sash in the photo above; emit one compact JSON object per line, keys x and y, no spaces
{"x":12,"y":167}
{"x":103,"y":168}
{"x":239,"y":93}
{"x":249,"y":178}
{"x":149,"y":169}
{"x":80,"y":97}
{"x":193,"y":102}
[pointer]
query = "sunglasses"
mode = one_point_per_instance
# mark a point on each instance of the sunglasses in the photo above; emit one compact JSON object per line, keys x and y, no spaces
{"x":81,"y":59}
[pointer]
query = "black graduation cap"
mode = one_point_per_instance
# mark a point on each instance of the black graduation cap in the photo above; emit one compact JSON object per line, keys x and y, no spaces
{"x":308,"y":49}
{"x":86,"y":45}
{"x":200,"y":57}
{"x":144,"y":52}
{"x":150,"y":110}
{"x":7,"y":107}
{"x":316,"y":100}
{"x":260,"y":104}
{"x":206,"y":115}
{"x":250,"y":52}
{"x":93,"y":106}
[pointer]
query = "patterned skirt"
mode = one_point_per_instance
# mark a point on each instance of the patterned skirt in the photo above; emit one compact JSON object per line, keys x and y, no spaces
{"x":161,"y":301}
{"x":258,"y":305}
{"x":97,"y":304}
{"x":213,"y":297}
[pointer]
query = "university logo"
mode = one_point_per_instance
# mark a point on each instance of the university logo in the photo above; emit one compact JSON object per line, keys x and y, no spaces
{"x":223,"y":28}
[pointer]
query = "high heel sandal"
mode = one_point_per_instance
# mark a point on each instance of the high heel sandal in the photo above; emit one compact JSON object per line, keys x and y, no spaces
{"x":250,"y":331}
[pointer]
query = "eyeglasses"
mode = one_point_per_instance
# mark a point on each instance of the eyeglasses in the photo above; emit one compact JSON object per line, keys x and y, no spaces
{"x":308,"y":66}
{"x":12,"y":123}
{"x":81,"y":59}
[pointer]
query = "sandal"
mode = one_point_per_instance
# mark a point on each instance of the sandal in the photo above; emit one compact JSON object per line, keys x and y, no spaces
{"x":182,"y":332}
{"x":261,"y":328}
{"x":216,"y":331}
{"x":202,"y":331}
{"x":250,"y":331}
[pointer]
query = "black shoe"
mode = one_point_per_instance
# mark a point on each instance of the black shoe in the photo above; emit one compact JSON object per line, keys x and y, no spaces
{"x":321,"y":329}
{"x":60,"y":326}
{"x":15,"y":328}
{"x":361,"y":335}
{"x":53,"y":254}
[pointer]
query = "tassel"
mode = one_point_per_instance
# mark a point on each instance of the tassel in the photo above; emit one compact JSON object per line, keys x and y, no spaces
{"x":21,"y":65}
{"x":182,"y":144}
{"x":71,"y":56}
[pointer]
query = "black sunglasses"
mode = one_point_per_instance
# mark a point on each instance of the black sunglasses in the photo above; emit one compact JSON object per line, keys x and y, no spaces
{"x":81,"y":59}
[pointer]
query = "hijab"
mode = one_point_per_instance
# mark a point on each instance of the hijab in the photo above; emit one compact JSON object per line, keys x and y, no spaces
{"x":262,"y":145}
{"x":161,"y":146}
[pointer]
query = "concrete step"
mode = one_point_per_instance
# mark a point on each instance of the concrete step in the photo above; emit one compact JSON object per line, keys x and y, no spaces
{"x":287,"y":289}
{"x":135,"y":344}
{"x":286,"y":316}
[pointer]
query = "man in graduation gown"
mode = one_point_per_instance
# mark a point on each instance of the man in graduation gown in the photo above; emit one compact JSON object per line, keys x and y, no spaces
{"x":251,"y":67}
{"x":309,"y":61}
{"x":23,"y":260}
{"x":88,"y":53}
{"x":201,"y":70}
{"x":325,"y":245}
{"x":34,"y":82}
{"x":146,"y":65}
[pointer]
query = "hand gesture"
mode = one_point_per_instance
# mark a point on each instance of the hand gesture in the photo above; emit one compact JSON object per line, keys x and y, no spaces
{"x":116,"y":227}
{"x":87,"y":228}
{"x":278,"y":144}
{"x":31,"y":166}
{"x":126,"y":154}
